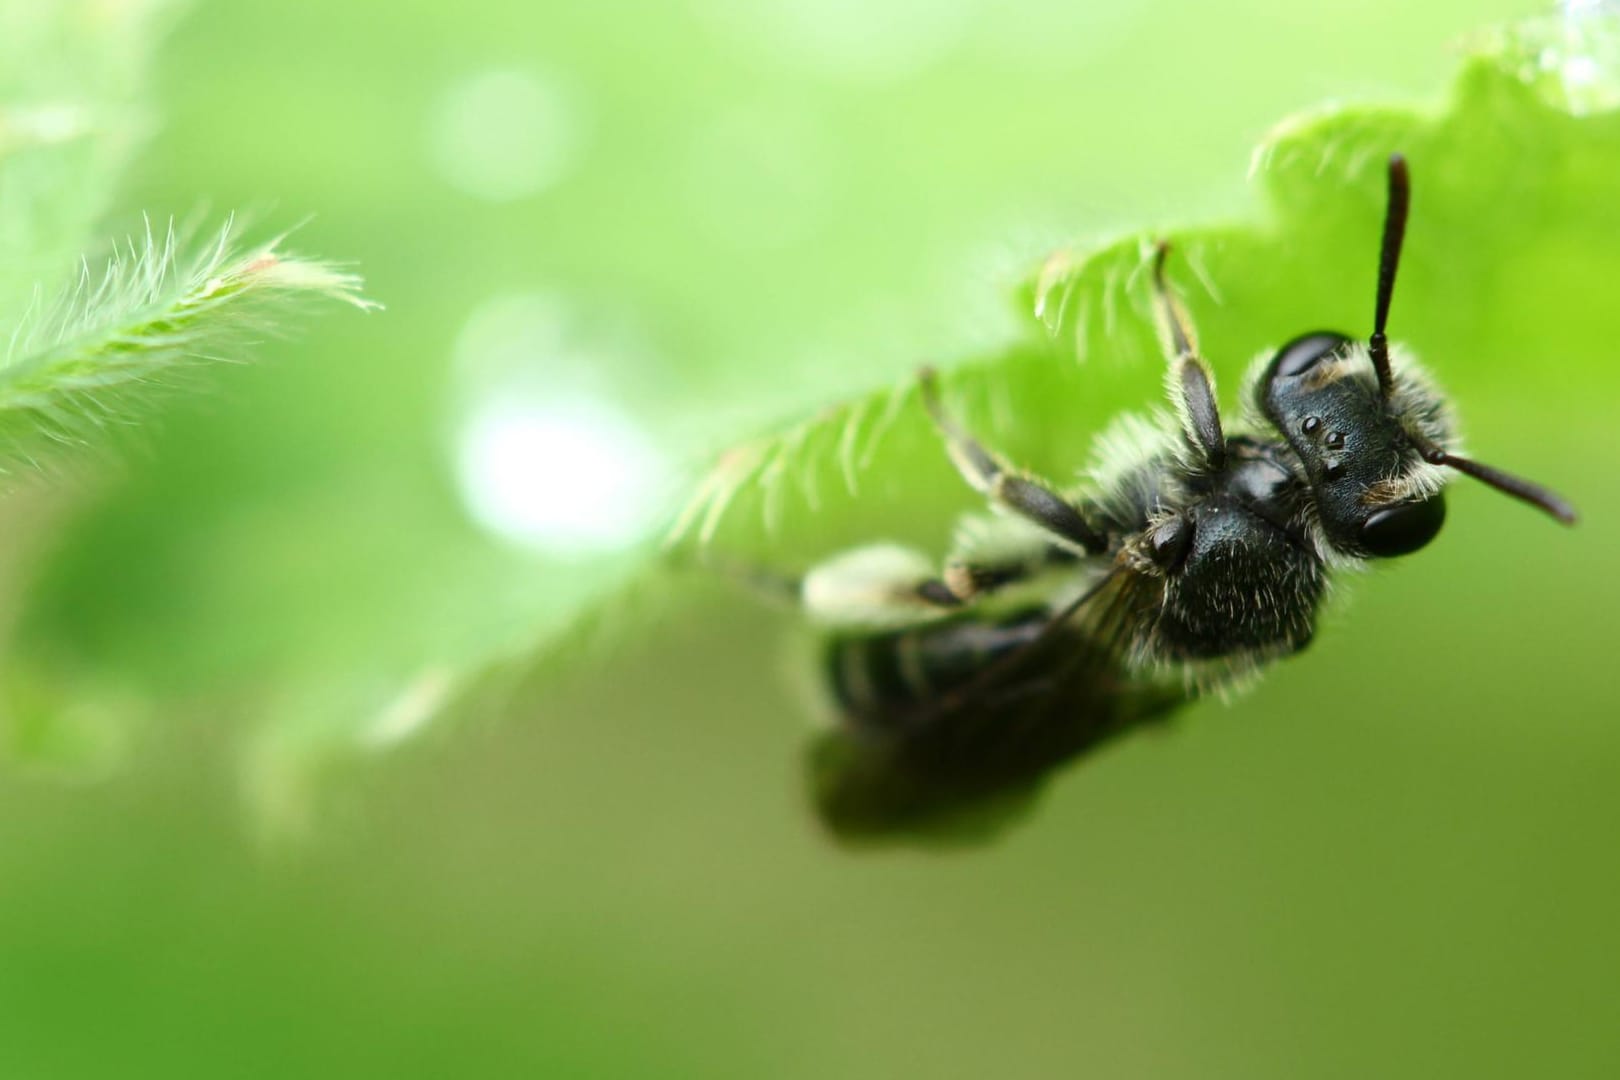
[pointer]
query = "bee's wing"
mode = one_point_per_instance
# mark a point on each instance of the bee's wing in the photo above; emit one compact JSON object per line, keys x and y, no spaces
{"x":953,"y":766}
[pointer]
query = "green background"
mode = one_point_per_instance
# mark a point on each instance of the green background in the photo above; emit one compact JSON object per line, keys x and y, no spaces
{"x":1392,"y":858}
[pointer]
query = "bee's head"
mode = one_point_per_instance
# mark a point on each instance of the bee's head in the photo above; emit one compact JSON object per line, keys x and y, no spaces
{"x":1368,"y":441}
{"x":1374,"y":492}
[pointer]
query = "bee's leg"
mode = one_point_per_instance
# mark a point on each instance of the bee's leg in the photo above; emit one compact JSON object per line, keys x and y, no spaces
{"x":990,"y":552}
{"x":1192,"y":387}
{"x":886,"y":585}
{"x":1029,"y":499}
{"x":969,"y":578}
{"x":875,"y":587}
{"x":882,"y":586}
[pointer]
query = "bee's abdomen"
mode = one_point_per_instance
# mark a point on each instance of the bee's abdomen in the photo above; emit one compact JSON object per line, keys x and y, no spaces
{"x":882,"y":680}
{"x":949,"y":728}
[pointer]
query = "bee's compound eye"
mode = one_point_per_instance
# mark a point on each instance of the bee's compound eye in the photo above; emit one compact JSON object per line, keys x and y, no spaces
{"x":1400,"y":530}
{"x":1305,"y":352}
{"x":1170,"y":542}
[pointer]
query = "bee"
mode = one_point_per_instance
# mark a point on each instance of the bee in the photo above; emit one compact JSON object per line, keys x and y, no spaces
{"x":1191,"y":558}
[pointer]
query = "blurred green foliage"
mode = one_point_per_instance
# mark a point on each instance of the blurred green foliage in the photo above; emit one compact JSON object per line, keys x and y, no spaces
{"x":1389,"y":860}
{"x":96,"y":328}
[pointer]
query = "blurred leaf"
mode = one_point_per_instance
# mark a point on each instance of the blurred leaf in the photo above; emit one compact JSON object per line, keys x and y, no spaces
{"x":92,"y":337}
{"x":74,"y":77}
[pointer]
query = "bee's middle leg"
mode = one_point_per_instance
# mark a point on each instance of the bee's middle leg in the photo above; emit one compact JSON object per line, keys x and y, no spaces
{"x":1028,"y":498}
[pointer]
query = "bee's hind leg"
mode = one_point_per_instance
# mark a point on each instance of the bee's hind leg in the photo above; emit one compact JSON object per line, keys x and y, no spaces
{"x":878,"y":586}
{"x":989,"y":553}
{"x":881,"y":586}
{"x":887,"y":585}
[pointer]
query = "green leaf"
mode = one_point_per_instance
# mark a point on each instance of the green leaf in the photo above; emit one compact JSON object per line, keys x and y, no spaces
{"x":1513,"y":179}
{"x":73,"y":113}
{"x":1502,"y":284}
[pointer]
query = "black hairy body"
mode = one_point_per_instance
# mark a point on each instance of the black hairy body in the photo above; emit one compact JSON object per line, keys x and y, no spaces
{"x":956,"y":717}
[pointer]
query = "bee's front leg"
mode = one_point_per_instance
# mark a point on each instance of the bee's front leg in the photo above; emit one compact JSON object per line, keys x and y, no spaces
{"x":1192,"y":387}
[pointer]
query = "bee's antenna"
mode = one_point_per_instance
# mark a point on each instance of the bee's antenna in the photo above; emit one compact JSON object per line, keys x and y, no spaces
{"x":1541,"y":498}
{"x":1389,"y":260}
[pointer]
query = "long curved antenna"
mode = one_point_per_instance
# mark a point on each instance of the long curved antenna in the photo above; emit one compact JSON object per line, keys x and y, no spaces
{"x":1543,"y":499}
{"x":1389,"y":260}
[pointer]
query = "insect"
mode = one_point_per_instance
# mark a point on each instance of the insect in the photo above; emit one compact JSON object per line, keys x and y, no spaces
{"x":1189,"y":559}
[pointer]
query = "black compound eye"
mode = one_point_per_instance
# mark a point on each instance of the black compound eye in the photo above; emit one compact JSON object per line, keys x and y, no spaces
{"x":1305,"y":352}
{"x":1170,"y":542}
{"x":1400,"y":530}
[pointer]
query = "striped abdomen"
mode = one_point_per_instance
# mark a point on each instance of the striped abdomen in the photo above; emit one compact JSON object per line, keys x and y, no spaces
{"x":949,"y":728}
{"x":883,"y":681}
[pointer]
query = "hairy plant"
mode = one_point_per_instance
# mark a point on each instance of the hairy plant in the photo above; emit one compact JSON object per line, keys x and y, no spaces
{"x":80,"y":364}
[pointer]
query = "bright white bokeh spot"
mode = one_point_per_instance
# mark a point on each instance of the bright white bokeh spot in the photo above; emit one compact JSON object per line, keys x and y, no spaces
{"x":568,"y":476}
{"x":1580,"y":71}
{"x":875,"y":40}
{"x":504,"y":135}
{"x":545,"y":457}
